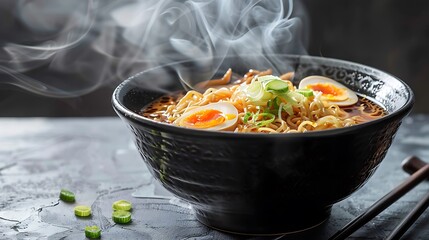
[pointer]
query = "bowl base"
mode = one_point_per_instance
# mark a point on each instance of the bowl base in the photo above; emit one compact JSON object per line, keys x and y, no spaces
{"x":264,"y":225}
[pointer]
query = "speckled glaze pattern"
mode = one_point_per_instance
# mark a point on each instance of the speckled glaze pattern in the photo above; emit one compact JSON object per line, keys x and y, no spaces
{"x":248,"y":183}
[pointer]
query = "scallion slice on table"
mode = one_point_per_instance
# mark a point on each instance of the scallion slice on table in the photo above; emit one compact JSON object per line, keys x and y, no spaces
{"x":67,"y":196}
{"x":82,"y":211}
{"x":122,"y":205}
{"x":92,"y":232}
{"x":121,"y":216}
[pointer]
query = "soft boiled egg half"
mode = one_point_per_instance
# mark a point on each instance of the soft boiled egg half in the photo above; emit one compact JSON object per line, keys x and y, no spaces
{"x":332,"y":91}
{"x":221,"y":116}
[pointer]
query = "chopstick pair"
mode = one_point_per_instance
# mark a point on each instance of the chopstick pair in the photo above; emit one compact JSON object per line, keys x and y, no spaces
{"x":411,"y":166}
{"x":420,"y":171}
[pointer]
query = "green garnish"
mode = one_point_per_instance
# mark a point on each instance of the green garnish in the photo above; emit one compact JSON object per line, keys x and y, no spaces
{"x":305,"y":92}
{"x":267,"y":78}
{"x":92,"y":232}
{"x":288,"y":98}
{"x":246,"y":117}
{"x":82,"y":211}
{"x":122,"y":205}
{"x":274,"y":94}
{"x":259,"y":119}
{"x":266,"y":88}
{"x":67,"y":196}
{"x":277,"y":86}
{"x":273,"y":105}
{"x":288,"y":108}
{"x":255,"y":91}
{"x":121,"y":216}
{"x":267,"y":118}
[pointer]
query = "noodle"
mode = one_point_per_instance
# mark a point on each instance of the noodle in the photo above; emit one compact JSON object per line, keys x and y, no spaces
{"x":307,"y":114}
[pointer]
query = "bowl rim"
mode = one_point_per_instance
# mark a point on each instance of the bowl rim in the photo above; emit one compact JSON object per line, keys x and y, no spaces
{"x":121,"y":109}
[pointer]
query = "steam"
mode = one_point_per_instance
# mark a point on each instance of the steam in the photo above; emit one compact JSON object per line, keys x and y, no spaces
{"x":82,"y":45}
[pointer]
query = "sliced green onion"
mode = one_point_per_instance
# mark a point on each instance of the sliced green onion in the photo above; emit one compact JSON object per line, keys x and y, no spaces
{"x":298,"y":97}
{"x":267,"y":78}
{"x":254,"y":117}
{"x":257,"y":94}
{"x":121,"y":216}
{"x":270,"y":104}
{"x":273,"y":105}
{"x":288,"y":98}
{"x":279,"y":110}
{"x":305,"y":92}
{"x":265,"y":122}
{"x":82,"y":211}
{"x":254,"y":90}
{"x":267,"y":110}
{"x":277,"y":86}
{"x":288,"y":108}
{"x":122,"y":205}
{"x":277,"y":102}
{"x":67,"y":196}
{"x":267,"y":96}
{"x":246,"y":117}
{"x":92,"y":232}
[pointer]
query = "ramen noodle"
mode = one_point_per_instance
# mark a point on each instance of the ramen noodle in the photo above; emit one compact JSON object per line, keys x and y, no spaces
{"x":262,"y":103}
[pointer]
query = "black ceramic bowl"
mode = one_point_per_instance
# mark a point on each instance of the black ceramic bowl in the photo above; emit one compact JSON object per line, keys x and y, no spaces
{"x":262,"y":183}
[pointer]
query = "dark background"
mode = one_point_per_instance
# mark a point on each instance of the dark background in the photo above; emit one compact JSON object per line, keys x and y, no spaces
{"x":389,"y":35}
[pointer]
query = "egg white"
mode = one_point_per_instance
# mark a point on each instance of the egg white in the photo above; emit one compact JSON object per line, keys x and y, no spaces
{"x":352,"y":98}
{"x":224,"y":107}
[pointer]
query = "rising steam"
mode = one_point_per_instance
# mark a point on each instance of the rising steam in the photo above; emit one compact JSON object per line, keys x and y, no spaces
{"x":82,"y":45}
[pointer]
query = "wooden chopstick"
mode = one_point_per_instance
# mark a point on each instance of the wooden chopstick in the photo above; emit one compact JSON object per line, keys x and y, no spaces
{"x":409,"y":219}
{"x":410,"y":166}
{"x":383,"y":203}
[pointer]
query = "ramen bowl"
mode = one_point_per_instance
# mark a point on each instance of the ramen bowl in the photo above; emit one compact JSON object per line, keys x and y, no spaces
{"x":262,"y":183}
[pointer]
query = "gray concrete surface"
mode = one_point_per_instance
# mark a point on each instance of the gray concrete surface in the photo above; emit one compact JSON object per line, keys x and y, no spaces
{"x":96,"y":159}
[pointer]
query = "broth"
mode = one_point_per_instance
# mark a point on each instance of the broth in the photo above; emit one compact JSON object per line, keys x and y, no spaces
{"x":156,"y":110}
{"x":267,"y":104}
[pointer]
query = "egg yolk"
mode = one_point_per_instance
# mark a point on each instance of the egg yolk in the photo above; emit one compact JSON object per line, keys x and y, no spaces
{"x":204,"y":119}
{"x":329,"y":91}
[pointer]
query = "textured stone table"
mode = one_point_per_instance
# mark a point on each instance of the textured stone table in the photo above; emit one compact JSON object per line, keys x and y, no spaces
{"x":96,"y":158}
